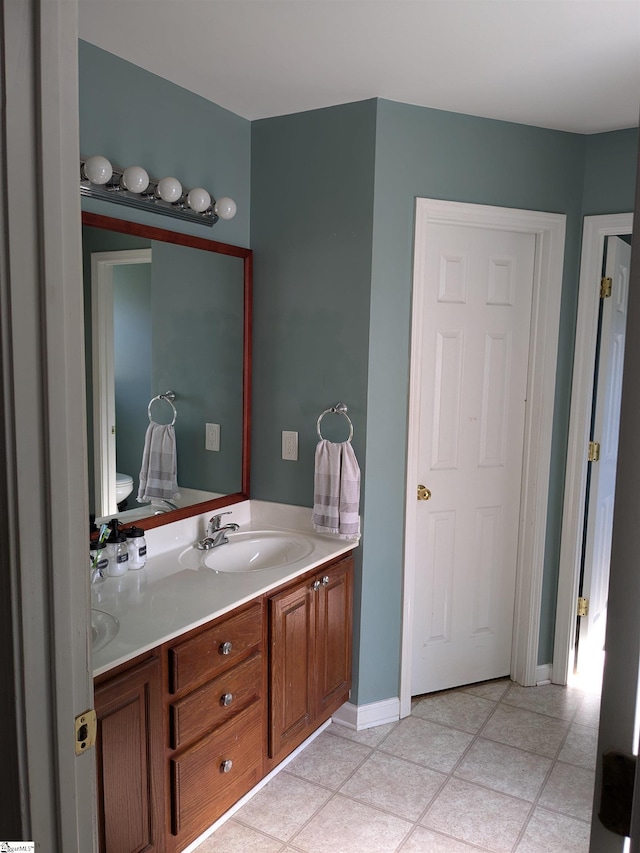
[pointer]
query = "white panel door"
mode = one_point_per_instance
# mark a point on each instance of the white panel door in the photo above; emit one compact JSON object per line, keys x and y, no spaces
{"x":602,"y":484}
{"x":476,"y":313}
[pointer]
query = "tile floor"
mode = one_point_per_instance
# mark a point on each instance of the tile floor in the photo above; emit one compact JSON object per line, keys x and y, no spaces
{"x":491,"y":767}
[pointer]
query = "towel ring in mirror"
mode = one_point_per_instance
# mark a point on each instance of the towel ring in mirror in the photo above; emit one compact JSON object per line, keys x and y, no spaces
{"x":338,"y":409}
{"x":169,"y":396}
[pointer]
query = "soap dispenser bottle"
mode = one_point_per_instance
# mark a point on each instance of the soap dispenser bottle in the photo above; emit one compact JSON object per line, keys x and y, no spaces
{"x":117,"y":551}
{"x":137,"y":545}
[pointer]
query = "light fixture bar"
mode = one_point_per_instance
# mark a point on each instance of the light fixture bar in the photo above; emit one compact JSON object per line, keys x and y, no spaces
{"x":114,"y":190}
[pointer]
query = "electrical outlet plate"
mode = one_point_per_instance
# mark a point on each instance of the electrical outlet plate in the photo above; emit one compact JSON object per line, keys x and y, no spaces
{"x":212,"y":437}
{"x":289,"y":445}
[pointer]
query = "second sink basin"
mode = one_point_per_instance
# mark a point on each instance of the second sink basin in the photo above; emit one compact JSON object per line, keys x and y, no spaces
{"x":257,"y":550}
{"x":104,"y":627}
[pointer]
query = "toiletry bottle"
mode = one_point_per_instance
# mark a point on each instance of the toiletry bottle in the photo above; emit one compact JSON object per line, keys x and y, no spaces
{"x":98,"y":561}
{"x":137,"y":547}
{"x":117,"y":551}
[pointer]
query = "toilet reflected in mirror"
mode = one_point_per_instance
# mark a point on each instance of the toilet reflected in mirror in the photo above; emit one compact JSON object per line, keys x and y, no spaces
{"x":124,"y":487}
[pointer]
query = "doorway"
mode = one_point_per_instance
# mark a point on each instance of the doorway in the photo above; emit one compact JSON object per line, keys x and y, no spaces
{"x":596,"y":232}
{"x":547,"y":231}
{"x":104,"y":266}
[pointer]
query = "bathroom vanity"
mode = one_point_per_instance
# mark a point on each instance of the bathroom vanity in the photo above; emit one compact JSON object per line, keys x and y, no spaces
{"x":189,"y":724}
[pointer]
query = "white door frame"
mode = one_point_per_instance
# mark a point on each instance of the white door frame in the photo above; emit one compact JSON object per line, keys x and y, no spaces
{"x":549,"y":230}
{"x":595,"y":231}
{"x":104,"y":404}
{"x":43,"y":427}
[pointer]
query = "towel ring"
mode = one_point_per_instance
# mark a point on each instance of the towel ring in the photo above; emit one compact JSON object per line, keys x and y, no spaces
{"x":169,"y":396}
{"x":338,"y":409}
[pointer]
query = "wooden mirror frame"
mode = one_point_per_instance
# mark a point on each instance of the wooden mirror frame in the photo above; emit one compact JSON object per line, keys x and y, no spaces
{"x":94,"y":220}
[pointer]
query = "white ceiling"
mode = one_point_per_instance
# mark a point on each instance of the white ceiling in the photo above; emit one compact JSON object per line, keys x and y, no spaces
{"x":564,"y":64}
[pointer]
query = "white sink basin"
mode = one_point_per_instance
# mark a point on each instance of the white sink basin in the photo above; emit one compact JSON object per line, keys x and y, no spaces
{"x":104,"y":627}
{"x":255,"y":551}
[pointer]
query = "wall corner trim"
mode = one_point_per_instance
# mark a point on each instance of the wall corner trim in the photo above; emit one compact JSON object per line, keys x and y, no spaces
{"x":543,"y":674}
{"x":360,"y":717}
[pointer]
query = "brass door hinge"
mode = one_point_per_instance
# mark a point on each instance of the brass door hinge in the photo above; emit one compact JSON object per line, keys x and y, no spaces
{"x":583,"y":606}
{"x":86,"y":730}
{"x":605,"y":287}
{"x":593,"y":454}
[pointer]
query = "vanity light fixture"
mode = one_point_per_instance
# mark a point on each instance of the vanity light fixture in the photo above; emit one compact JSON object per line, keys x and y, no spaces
{"x":134,"y":187}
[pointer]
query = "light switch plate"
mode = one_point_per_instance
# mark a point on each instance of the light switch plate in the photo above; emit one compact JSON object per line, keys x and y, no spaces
{"x":212,"y":437}
{"x":289,"y":445}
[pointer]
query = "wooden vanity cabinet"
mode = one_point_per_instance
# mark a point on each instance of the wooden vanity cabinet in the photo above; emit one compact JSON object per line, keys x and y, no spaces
{"x":216,"y":712}
{"x":310,"y":631}
{"x":185,"y":730}
{"x":130,"y":760}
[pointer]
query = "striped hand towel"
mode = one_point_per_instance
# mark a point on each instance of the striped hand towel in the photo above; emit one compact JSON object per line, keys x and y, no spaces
{"x":158,"y":475}
{"x":336,"y":499}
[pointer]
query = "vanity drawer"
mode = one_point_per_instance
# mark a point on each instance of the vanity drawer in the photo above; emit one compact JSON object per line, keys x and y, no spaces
{"x":216,"y":702}
{"x":216,"y":649}
{"x":201,"y":789}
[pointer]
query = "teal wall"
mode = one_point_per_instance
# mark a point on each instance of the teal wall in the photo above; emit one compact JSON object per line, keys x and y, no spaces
{"x":134,"y":117}
{"x":198,"y":320}
{"x":311,"y":231}
{"x":332,"y":207}
{"x":609,"y":175}
{"x":418,"y":152}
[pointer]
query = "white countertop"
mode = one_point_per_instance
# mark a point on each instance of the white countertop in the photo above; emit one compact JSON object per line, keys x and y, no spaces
{"x":176,"y":592}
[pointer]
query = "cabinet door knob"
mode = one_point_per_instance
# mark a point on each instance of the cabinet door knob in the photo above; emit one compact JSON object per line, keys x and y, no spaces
{"x":325,"y":580}
{"x":316,"y":586}
{"x":225,"y":648}
{"x":226,"y":765}
{"x":227,"y":699}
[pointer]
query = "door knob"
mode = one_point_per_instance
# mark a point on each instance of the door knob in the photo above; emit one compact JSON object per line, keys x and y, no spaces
{"x":423,"y":493}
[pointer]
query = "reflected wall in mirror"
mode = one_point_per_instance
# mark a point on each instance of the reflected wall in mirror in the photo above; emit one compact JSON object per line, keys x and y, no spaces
{"x":165,"y":311}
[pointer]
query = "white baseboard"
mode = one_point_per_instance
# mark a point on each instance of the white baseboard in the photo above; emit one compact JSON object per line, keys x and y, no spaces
{"x":543,"y":674}
{"x":359,"y":717}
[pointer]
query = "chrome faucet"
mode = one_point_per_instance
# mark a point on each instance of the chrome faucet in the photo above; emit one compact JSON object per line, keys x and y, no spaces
{"x":216,"y":533}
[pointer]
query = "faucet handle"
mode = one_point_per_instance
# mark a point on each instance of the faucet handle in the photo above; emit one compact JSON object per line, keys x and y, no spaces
{"x":215,"y":521}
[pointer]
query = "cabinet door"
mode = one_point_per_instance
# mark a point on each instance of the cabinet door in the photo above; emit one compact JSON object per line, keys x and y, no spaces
{"x":333,"y":638}
{"x":210,"y":776}
{"x":292,"y":626}
{"x":130,"y":761}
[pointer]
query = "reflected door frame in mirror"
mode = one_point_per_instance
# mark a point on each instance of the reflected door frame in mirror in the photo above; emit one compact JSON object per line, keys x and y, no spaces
{"x":246,"y":255}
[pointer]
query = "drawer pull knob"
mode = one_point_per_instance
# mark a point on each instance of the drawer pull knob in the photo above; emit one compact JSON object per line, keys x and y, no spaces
{"x":227,"y":699}
{"x":316,"y":586}
{"x":325,"y":580}
{"x":225,"y":648}
{"x":226,"y":765}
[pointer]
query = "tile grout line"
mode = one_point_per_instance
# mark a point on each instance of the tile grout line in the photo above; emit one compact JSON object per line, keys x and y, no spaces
{"x":450,"y":774}
{"x":536,"y":802}
{"x":414,"y":825}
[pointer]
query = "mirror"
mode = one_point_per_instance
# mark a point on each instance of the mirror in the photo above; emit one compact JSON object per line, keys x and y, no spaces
{"x":165,"y":311}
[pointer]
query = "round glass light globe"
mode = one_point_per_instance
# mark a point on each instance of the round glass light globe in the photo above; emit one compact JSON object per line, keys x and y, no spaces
{"x":198,"y":199}
{"x":97,"y":169}
{"x":169,"y":189}
{"x":135,"y":179}
{"x":225,"y":208}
